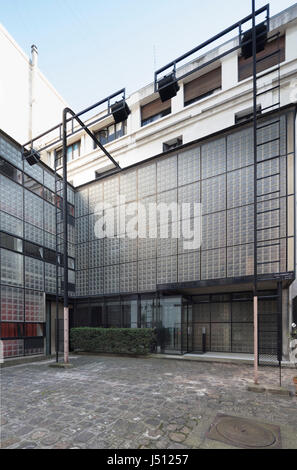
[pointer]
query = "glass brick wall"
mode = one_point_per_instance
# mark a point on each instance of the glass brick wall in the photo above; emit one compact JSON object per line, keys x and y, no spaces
{"x":27,"y":249}
{"x":220,"y":175}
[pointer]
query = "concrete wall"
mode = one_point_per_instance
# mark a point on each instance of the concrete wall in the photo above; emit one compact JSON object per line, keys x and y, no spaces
{"x":29,"y":104}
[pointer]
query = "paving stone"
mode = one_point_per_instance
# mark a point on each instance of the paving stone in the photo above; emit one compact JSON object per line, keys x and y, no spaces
{"x":50,"y":439}
{"x":8,"y":442}
{"x":177,"y":437}
{"x":27,"y":445}
{"x":84,"y":436}
{"x":171,"y":427}
{"x":122,"y":402}
{"x":38,"y":435}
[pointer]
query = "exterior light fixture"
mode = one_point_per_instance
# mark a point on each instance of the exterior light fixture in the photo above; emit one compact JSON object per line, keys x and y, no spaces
{"x":168,"y":87}
{"x":32,"y":156}
{"x":120,"y":111}
{"x":247,"y":42}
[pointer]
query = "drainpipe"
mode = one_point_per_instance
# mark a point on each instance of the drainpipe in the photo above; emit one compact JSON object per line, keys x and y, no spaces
{"x":32,"y":95}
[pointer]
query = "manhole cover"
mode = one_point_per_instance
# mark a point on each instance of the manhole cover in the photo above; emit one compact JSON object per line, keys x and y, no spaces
{"x":243,"y":432}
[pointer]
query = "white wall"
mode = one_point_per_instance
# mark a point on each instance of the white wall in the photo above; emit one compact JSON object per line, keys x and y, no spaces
{"x":15,"y":94}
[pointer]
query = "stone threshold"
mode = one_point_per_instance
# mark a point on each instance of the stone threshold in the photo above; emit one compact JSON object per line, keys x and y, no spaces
{"x":216,"y":357}
{"x":257,"y":388}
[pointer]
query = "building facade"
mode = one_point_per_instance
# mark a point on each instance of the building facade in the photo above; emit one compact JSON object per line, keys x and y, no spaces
{"x":195,"y":149}
{"x":28,"y":101}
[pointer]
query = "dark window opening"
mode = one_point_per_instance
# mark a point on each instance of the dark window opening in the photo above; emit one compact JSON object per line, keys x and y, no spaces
{"x":73,"y":152}
{"x":11,"y":243}
{"x":33,"y":185}
{"x":33,"y":250}
{"x":49,"y":255}
{"x":153,"y":111}
{"x":111,"y":133}
{"x":9,"y":170}
{"x":172,"y":144}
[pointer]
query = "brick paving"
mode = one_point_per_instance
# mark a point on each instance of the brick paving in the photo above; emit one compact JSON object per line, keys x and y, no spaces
{"x":120,"y":402}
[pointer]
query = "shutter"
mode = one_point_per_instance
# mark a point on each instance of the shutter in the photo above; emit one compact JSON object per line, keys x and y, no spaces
{"x":202,"y":85}
{"x":245,"y":66}
{"x":153,"y":108}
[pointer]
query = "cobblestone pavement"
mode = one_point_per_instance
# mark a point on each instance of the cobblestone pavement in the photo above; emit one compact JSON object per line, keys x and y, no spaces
{"x":120,"y":402}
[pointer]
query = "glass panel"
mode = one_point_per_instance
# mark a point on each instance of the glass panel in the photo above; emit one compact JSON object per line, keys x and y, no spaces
{"x":213,"y":158}
{"x":34,"y":329}
{"x":31,"y":184}
{"x":10,"y":152}
{"x":221,"y":312}
{"x":12,"y":304}
{"x":12,"y":330}
{"x":81,"y":315}
{"x":97,"y":314}
{"x":130,"y":313}
{"x":242,"y":337}
{"x":10,"y":171}
{"x":169,"y":327}
{"x":189,"y":166}
{"x":12,"y":205}
{"x":34,"y":306}
{"x":34,"y":274}
{"x":167,"y":173}
{"x":221,"y":337}
{"x":13,"y":348}
{"x":128,"y":277}
{"x":147,"y":313}
{"x":113,"y":314}
{"x":11,"y":243}
{"x":10,"y":224}
{"x":11,"y":268}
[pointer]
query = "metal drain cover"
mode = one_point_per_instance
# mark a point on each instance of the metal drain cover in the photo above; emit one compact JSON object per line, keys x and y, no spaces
{"x":244,"y":433}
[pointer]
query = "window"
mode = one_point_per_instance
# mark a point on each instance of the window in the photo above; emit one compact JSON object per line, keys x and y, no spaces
{"x":110,"y":133}
{"x":202,"y":86}
{"x":8,"y":170}
{"x":155,"y":110}
{"x":31,"y":249}
{"x":172,"y":144}
{"x":73,"y":152}
{"x":11,"y":243}
{"x":31,"y":184}
{"x":245,"y":66}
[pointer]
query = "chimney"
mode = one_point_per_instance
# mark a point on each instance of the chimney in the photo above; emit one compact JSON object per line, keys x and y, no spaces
{"x":32,"y":92}
{"x":34,"y":55}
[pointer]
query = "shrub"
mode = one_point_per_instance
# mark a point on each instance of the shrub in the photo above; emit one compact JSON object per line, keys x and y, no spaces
{"x":113,"y":340}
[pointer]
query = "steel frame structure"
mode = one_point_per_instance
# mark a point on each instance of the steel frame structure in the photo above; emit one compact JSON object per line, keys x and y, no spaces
{"x":63,"y":134}
{"x":235,"y":26}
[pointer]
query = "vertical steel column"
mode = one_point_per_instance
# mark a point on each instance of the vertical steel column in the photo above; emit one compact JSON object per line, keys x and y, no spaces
{"x":57,"y":264}
{"x":254,"y":39}
{"x":279,"y":329}
{"x":65,"y":240}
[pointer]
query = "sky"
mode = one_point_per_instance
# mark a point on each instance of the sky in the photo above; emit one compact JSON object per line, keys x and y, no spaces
{"x":89,"y":49}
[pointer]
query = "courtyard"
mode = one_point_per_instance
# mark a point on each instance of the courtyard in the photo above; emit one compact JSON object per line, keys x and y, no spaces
{"x":107,"y":402}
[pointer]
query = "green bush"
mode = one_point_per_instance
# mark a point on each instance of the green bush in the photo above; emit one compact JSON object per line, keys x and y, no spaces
{"x":113,"y":340}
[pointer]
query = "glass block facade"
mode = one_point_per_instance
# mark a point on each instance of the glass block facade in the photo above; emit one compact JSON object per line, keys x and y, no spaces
{"x":122,"y":278}
{"x":219,"y":174}
{"x":131,"y":267}
{"x":29,"y":208}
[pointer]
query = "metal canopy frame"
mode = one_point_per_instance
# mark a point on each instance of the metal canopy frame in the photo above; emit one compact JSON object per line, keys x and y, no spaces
{"x":60,"y":127}
{"x":63,"y":135}
{"x":172,"y":65}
